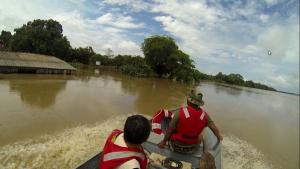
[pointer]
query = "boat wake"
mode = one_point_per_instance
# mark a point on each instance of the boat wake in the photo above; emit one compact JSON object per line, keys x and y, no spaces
{"x":239,"y":154}
{"x":70,"y":148}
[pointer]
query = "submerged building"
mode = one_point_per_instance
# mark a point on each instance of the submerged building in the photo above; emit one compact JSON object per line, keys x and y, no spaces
{"x":19,"y":62}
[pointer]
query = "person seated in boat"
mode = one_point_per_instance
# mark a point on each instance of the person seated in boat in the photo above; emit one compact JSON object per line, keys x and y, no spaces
{"x":123,"y":149}
{"x":187,"y":124}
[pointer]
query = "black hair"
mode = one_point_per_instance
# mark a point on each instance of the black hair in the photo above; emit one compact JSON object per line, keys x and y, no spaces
{"x":137,"y":129}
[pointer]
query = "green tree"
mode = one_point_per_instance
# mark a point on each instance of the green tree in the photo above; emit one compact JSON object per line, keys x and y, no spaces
{"x":41,"y":36}
{"x":158,"y":52}
{"x":220,"y":77}
{"x":181,"y":67}
{"x":249,"y":83}
{"x":121,"y":60}
{"x":179,"y":60}
{"x":198,"y":76}
{"x":135,"y":66}
{"x":5,"y":38}
{"x":82,"y":55}
{"x":165,"y":59}
{"x":236,"y":79}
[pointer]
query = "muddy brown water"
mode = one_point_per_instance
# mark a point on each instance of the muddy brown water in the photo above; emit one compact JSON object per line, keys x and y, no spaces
{"x":51,"y":120}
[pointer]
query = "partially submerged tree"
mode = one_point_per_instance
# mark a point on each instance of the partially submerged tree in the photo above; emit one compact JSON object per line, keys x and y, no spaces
{"x":41,"y":36}
{"x":164,"y":57}
{"x":158,"y":52}
{"x":82,"y":55}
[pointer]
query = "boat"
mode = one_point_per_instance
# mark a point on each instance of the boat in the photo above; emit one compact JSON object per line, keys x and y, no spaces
{"x":165,"y":158}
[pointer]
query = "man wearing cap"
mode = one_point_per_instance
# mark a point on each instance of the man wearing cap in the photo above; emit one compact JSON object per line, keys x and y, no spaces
{"x":185,"y":128}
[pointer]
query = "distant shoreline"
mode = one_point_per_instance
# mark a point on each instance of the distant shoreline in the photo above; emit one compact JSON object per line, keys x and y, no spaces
{"x":295,"y":94}
{"x":238,"y":86}
{"x":80,"y":66}
{"x":81,"y":70}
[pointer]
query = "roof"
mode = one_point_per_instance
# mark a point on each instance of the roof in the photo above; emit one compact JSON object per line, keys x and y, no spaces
{"x":20,"y":59}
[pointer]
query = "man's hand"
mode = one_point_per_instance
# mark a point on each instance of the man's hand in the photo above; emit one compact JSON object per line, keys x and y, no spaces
{"x":162,"y":144}
{"x":220,"y":137}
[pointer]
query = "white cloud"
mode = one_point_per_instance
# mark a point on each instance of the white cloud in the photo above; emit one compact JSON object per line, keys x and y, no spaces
{"x":118,"y":21}
{"x":15,"y":13}
{"x":204,"y":30}
{"x":129,"y":46}
{"x":236,"y":36}
{"x":113,"y":30}
{"x":83,"y":32}
{"x":264,"y":17}
{"x":104,"y":19}
{"x":284,"y":82}
{"x":192,"y":12}
{"x":134,"y":5}
{"x":274,"y":2}
{"x":282,"y":39}
{"x":80,"y":30}
{"x":279,"y":80}
{"x":189,"y":35}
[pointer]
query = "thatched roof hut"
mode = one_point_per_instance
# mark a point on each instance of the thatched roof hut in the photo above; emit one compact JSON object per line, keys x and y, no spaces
{"x":33,"y":63}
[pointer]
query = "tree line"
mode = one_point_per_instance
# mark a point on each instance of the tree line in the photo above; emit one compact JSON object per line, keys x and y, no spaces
{"x":163,"y":58}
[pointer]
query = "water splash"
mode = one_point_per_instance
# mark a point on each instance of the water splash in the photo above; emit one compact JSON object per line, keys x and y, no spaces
{"x":62,"y":151}
{"x":239,"y":154}
{"x":70,"y":148}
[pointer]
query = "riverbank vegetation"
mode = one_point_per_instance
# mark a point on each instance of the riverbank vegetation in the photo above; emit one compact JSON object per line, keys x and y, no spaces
{"x":162,"y":56}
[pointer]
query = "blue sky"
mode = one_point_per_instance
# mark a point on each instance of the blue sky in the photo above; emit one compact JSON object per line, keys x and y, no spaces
{"x":231,"y":36}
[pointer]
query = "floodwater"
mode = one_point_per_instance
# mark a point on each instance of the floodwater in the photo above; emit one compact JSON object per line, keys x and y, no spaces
{"x":59,"y":121}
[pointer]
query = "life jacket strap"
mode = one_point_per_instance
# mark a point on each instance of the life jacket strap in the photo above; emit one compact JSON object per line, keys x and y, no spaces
{"x":186,"y":112}
{"x":122,"y":154}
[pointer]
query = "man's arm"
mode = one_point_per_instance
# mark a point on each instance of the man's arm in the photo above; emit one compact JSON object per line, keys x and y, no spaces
{"x":215,"y":130}
{"x":166,"y":137}
{"x":170,"y":130}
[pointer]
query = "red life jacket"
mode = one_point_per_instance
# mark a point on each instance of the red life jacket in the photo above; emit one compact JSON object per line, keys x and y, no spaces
{"x":113,"y":155}
{"x":190,"y":125}
{"x":157,"y":118}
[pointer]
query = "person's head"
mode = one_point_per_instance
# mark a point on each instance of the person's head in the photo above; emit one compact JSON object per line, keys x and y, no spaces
{"x":137,"y":129}
{"x":195,"y":99}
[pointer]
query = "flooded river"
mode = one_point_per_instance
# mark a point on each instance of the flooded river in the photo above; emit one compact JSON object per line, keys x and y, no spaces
{"x":60,"y":121}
